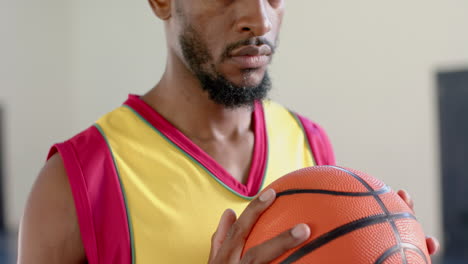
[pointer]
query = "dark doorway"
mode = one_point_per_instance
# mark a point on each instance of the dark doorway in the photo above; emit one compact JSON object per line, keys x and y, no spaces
{"x":453,"y":113}
{"x":2,"y":179}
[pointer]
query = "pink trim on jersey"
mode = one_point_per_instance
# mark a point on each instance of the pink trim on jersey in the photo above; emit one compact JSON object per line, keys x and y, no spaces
{"x":260,"y":152}
{"x":97,"y":193}
{"x":319,"y":142}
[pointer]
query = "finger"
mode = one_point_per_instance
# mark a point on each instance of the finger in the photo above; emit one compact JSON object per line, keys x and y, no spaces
{"x":227,"y":220}
{"x":239,"y":231}
{"x":433,"y":245}
{"x":275,"y":247}
{"x":407,"y":198}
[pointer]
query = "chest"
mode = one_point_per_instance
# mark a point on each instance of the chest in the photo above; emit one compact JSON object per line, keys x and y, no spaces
{"x":174,"y":195}
{"x":174,"y":204}
{"x":234,"y":155}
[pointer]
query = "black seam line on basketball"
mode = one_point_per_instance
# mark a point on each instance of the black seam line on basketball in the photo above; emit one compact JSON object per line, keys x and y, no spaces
{"x":404,"y":246}
{"x":341,"y":231}
{"x":396,"y":233}
{"x":384,"y":190}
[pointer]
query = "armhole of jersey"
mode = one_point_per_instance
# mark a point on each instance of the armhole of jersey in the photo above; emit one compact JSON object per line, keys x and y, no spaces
{"x":98,"y":197}
{"x":319,"y":142}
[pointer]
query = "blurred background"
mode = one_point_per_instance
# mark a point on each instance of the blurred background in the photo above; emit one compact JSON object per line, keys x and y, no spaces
{"x":387,"y":79}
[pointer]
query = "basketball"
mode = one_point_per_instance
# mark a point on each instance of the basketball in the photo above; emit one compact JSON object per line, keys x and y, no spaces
{"x":354,"y":219}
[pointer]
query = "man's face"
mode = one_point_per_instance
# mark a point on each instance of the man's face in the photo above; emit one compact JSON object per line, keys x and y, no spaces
{"x":228,"y":45}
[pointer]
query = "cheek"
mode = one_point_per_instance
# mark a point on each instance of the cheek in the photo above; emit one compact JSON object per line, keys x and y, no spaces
{"x":277,"y":18}
{"x":213,"y":30}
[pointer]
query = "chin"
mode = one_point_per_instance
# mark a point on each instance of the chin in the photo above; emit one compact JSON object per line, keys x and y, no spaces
{"x":248,"y":78}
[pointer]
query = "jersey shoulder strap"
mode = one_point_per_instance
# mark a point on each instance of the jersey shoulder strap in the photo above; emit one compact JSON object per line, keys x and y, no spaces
{"x":319,"y":142}
{"x":98,"y":197}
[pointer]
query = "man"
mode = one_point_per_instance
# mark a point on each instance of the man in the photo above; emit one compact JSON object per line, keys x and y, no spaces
{"x":147,"y":182}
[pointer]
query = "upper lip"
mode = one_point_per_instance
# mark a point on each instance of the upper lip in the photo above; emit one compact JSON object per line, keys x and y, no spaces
{"x":252,"y":50}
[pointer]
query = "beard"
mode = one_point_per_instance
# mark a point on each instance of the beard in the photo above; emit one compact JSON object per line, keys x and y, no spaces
{"x":219,"y":88}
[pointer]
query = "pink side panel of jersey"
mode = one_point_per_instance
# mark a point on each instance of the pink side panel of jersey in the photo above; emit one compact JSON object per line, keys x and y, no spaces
{"x":98,"y":197}
{"x":319,"y":142}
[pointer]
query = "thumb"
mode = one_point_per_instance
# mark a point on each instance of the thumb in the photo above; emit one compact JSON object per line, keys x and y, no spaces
{"x":227,"y":220}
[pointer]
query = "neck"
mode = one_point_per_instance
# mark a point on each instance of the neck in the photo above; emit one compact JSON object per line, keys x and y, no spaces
{"x":180,"y":99}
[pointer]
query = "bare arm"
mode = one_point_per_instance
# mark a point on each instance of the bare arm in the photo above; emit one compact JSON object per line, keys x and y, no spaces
{"x":49,"y":231}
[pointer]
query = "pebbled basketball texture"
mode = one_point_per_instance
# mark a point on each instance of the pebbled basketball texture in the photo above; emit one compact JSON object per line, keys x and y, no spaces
{"x":354,"y":219}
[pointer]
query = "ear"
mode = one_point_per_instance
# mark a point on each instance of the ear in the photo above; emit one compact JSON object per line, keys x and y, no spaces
{"x":162,"y":8}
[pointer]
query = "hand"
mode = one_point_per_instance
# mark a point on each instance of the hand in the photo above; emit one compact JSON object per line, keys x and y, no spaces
{"x":228,"y":241}
{"x":432,"y":243}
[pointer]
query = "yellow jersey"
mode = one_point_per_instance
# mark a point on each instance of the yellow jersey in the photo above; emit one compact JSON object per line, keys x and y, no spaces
{"x":144,"y":193}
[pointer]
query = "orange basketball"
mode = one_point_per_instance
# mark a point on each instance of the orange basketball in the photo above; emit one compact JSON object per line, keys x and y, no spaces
{"x":353,"y":217}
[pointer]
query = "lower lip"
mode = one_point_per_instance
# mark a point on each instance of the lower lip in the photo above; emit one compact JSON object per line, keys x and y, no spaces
{"x":249,"y":62}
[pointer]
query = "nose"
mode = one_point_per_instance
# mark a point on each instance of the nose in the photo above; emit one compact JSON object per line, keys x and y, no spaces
{"x":254,"y":18}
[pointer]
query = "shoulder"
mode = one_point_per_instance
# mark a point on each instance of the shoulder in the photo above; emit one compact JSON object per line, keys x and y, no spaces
{"x":49,"y":230}
{"x":52,"y":229}
{"x":88,"y":162}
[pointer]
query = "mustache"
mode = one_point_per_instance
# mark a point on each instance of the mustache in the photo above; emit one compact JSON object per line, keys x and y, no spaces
{"x":256,"y":41}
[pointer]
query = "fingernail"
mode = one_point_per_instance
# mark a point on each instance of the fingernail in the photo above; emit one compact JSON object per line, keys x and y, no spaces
{"x":229,"y":211}
{"x":406,"y":194}
{"x":267,"y":196}
{"x":300,"y":231}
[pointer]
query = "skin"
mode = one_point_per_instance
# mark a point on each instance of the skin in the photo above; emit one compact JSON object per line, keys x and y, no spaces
{"x":49,"y":231}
